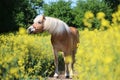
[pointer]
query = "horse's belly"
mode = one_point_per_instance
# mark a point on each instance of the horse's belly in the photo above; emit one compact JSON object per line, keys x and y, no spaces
{"x":62,"y":46}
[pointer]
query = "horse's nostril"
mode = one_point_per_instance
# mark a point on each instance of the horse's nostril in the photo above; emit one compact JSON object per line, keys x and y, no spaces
{"x":29,"y":30}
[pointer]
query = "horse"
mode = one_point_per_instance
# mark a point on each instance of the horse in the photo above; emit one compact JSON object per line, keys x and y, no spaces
{"x":63,"y":38}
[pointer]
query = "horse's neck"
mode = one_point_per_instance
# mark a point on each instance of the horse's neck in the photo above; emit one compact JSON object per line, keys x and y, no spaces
{"x":53,"y":25}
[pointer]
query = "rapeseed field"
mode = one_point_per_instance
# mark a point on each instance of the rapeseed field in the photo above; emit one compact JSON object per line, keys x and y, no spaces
{"x":98,"y":54}
{"x":25,"y":56}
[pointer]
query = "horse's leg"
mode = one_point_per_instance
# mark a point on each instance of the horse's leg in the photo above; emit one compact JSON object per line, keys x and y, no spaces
{"x":70,"y":70}
{"x":68,"y":66}
{"x":71,"y":63}
{"x":66,"y":70}
{"x":73,"y":57}
{"x":56,"y":62}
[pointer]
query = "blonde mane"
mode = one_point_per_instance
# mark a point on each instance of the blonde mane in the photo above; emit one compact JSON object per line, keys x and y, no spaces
{"x":54,"y":25}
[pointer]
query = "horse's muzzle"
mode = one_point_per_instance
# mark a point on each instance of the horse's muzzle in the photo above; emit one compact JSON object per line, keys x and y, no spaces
{"x":30,"y":30}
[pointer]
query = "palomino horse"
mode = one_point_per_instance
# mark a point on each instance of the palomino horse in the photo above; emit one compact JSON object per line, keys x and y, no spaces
{"x":63,"y":38}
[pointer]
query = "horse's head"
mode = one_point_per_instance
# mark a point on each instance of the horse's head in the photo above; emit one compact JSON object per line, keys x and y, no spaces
{"x":38,"y":25}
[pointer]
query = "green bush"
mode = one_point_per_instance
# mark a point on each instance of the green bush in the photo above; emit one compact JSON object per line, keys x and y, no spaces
{"x":94,"y":6}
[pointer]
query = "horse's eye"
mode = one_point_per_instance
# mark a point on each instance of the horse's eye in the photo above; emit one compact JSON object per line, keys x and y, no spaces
{"x":39,"y":22}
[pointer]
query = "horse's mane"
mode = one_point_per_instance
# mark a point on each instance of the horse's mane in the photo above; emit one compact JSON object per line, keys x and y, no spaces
{"x":54,"y":25}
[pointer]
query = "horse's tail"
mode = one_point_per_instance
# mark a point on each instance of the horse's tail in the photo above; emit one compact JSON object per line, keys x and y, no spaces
{"x":78,"y":36}
{"x":75,"y":36}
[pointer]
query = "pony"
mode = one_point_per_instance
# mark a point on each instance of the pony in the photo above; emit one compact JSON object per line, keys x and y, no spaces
{"x":63,"y":38}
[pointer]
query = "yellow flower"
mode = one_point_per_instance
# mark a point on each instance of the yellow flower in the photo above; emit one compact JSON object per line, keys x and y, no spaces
{"x":114,"y":20}
{"x":88,"y":15}
{"x":103,"y":69}
{"x":100,"y":15}
{"x":113,"y":15}
{"x":105,"y":23}
{"x":22,"y":69}
{"x":86,"y":23}
{"x":68,"y":59}
{"x":108,"y":59}
{"x":30,"y":70}
{"x":21,"y":62}
{"x":13,"y":70}
{"x":22,"y":31}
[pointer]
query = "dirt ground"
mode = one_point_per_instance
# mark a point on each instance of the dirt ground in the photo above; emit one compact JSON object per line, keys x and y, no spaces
{"x":61,"y":77}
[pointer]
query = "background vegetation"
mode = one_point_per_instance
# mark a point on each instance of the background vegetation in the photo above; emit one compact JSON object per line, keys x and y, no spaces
{"x":15,"y":14}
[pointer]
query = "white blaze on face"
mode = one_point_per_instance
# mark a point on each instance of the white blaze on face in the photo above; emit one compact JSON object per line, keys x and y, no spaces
{"x":37,"y":19}
{"x":32,"y":28}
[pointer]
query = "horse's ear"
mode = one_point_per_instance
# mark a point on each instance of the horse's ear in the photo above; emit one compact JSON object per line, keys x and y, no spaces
{"x":43,"y":17}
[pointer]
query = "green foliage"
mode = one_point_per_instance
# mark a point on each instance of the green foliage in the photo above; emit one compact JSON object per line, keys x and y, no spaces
{"x":16,"y":13}
{"x":90,"y":5}
{"x":74,"y":16}
{"x":37,"y":2}
{"x":60,"y":9}
{"x":6,"y":15}
{"x":23,"y":15}
{"x":113,"y":4}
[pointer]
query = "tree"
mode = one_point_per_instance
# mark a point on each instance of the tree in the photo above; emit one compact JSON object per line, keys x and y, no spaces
{"x":113,"y":4}
{"x":60,"y":9}
{"x":94,"y":6}
{"x":23,"y":13}
{"x":16,"y":13}
{"x":6,"y":17}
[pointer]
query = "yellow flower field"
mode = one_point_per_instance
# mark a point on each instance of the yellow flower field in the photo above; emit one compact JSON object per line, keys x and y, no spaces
{"x":98,"y":55}
{"x":24,"y":56}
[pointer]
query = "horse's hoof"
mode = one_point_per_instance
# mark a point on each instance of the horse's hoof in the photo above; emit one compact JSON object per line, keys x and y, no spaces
{"x":55,"y":75}
{"x":67,"y":77}
{"x":70,"y":77}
